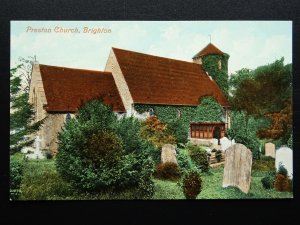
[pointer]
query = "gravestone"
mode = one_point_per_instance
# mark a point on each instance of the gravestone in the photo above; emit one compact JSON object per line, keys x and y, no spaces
{"x":270,"y":149}
{"x":168,"y":154}
{"x":237,"y":168}
{"x":226,"y":143}
{"x":284,"y":155}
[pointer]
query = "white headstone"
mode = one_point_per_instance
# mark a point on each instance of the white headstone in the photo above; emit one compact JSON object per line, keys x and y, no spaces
{"x":284,"y":155}
{"x":237,"y":168}
{"x":270,"y":149}
{"x":168,"y":154}
{"x":226,"y":143}
{"x":37,"y":154}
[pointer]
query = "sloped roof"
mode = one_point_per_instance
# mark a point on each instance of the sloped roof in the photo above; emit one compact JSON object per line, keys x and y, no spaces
{"x":157,"y":80}
{"x":209,"y":49}
{"x":66,"y":89}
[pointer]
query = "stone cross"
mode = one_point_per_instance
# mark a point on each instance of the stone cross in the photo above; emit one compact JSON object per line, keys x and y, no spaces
{"x":237,"y":168}
{"x":270,"y":149}
{"x":168,"y":154}
{"x":284,"y":156}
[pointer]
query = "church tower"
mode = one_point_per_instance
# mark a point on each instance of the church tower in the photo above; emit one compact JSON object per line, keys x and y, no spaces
{"x":215,"y":63}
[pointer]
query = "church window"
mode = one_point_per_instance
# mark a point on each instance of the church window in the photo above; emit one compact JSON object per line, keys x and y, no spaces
{"x":219,"y":64}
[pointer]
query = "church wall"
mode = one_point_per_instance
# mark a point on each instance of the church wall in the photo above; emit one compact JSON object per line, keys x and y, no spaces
{"x":113,"y":67}
{"x":37,"y":95}
{"x":49,"y":132}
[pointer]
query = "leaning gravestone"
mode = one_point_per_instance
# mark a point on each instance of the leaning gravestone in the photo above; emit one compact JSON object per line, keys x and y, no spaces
{"x":168,"y":154}
{"x":270,"y":149}
{"x":237,"y":168}
{"x":284,"y":156}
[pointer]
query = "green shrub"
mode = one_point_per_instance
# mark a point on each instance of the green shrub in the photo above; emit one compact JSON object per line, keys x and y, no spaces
{"x":184,"y":160}
{"x":167,"y":171}
{"x":91,"y":156}
{"x":218,"y":155}
{"x":48,"y":154}
{"x":282,"y":170}
{"x":16,"y":173}
{"x":266,"y":158}
{"x":103,"y":148}
{"x":191,"y":184}
{"x":263,"y":165}
{"x":15,"y":177}
{"x":199,"y":157}
{"x":250,"y":142}
{"x":179,"y":129}
{"x":268,"y":181}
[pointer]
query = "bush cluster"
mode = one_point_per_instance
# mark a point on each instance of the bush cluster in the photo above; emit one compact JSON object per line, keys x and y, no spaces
{"x":167,"y":171}
{"x":93,"y":157}
{"x":15,"y":177}
{"x":268,"y":180}
{"x":218,"y":155}
{"x":191,"y":184}
{"x":282,"y":181}
{"x":199,"y":157}
{"x":157,"y":132}
{"x":250,"y":142}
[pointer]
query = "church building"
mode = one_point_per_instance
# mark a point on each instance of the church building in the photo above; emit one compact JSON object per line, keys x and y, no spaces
{"x":133,"y":84}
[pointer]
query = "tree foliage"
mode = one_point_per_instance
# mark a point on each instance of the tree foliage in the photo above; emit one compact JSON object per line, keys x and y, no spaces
{"x":265,"y":94}
{"x":93,"y":157}
{"x":21,"y":112}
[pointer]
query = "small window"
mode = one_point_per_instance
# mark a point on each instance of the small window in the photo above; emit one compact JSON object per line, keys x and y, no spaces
{"x":219,"y":64}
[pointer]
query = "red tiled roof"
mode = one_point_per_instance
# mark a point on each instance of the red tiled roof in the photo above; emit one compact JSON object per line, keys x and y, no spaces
{"x":157,"y":80}
{"x":66,"y":89}
{"x":209,"y":49}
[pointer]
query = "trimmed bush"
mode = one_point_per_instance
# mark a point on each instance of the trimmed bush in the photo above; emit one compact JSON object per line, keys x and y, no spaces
{"x":191,"y":184}
{"x":167,"y":171}
{"x":250,"y":142}
{"x":218,"y":155}
{"x":92,"y":158}
{"x":199,"y":157}
{"x":103,"y":148}
{"x":268,"y":181}
{"x":282,"y":170}
{"x":184,"y":160}
{"x":281,"y":183}
{"x":156,"y":132}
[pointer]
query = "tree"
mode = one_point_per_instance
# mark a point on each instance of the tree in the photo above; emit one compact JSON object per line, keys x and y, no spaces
{"x":264,"y":93}
{"x":21,"y":112}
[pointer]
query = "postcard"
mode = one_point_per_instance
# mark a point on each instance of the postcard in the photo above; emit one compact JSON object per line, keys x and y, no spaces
{"x":151,"y":110}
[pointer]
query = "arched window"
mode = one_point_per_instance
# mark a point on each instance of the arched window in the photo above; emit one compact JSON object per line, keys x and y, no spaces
{"x":219,"y":64}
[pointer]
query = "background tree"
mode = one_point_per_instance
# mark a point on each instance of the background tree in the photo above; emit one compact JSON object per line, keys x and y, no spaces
{"x":264,"y":94}
{"x":21,"y":112}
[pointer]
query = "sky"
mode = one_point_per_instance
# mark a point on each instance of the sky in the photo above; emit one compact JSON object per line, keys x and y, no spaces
{"x":249,"y":43}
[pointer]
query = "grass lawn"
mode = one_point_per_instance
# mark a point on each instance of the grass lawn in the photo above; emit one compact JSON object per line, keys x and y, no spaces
{"x":42,"y":182}
{"x":212,"y":188}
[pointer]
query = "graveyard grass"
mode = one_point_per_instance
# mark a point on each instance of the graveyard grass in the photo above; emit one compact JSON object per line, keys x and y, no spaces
{"x":42,"y":182}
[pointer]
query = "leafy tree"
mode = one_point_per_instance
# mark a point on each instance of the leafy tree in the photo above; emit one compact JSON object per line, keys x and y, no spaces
{"x":21,"y":112}
{"x":264,"y":93}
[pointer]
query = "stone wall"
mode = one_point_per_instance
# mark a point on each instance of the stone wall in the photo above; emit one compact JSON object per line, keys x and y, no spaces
{"x":112,"y":66}
{"x":37,"y":95}
{"x":49,"y":131}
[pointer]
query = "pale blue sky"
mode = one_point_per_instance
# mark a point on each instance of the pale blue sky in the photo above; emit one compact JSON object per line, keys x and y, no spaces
{"x":249,"y":43}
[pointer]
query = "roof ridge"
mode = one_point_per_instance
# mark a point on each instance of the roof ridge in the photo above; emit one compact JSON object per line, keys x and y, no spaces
{"x":153,"y":55}
{"x":71,"y":68}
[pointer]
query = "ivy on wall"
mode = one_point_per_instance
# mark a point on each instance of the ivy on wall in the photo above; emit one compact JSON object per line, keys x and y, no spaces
{"x":210,"y":64}
{"x":208,"y":110}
